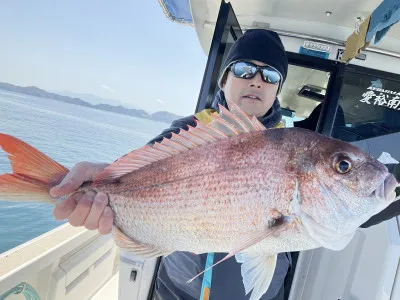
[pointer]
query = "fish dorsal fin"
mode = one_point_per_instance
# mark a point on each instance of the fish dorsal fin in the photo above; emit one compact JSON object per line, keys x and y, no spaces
{"x":257,"y":124}
{"x":222,"y":126}
{"x":252,"y":123}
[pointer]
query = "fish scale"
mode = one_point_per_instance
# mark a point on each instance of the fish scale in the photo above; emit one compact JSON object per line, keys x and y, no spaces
{"x":249,"y":207}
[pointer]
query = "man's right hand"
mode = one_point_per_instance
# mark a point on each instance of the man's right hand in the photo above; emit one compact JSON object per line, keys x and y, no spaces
{"x":83,"y":209}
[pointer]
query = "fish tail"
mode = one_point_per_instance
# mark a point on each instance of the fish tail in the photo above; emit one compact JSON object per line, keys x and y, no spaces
{"x":33,"y":173}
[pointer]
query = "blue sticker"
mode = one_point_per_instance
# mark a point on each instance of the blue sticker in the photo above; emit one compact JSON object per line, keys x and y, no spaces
{"x":314,"y":53}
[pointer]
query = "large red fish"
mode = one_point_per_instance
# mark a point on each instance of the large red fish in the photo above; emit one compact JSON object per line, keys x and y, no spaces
{"x":228,"y":186}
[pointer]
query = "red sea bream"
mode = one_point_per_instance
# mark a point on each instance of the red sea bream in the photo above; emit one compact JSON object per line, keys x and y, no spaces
{"x":227,"y":186}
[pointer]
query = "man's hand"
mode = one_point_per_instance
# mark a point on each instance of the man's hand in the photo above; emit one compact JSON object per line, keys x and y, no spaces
{"x":83,"y":209}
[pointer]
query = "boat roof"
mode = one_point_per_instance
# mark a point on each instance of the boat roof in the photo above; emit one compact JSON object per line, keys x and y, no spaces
{"x":331,"y":20}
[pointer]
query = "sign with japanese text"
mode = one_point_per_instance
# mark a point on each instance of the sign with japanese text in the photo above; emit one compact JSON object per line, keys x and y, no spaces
{"x":382,"y":97}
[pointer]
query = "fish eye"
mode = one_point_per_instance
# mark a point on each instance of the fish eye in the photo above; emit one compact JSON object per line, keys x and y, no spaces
{"x":343,"y":166}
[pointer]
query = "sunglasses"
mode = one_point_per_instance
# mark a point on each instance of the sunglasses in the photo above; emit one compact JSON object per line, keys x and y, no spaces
{"x":247,"y":70}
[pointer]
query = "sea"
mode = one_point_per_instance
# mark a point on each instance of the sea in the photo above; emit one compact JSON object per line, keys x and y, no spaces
{"x":69,"y":134}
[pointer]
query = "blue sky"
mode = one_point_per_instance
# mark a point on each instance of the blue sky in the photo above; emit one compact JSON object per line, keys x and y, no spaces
{"x":124,"y":50}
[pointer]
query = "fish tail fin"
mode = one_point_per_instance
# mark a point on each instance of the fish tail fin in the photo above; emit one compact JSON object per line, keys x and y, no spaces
{"x":33,"y":173}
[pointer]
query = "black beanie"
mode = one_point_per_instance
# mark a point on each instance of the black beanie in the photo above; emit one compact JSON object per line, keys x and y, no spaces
{"x":258,"y":44}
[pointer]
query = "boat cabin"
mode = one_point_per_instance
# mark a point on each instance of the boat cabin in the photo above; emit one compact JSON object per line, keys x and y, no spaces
{"x":346,"y":92}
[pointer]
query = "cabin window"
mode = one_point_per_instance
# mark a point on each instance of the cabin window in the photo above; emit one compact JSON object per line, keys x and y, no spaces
{"x":302,"y":96}
{"x":368,"y":114}
{"x":368,"y":107}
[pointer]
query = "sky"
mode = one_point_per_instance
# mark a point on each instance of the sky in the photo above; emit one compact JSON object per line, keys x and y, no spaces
{"x":126,"y":50}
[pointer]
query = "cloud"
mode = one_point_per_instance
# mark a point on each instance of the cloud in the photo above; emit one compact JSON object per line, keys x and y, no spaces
{"x":160,"y":101}
{"x":106,"y":87}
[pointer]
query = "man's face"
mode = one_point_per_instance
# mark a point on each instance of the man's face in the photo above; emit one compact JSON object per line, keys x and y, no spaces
{"x":254,"y":96}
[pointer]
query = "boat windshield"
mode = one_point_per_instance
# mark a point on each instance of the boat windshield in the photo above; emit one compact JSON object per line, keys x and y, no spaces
{"x":369,"y":114}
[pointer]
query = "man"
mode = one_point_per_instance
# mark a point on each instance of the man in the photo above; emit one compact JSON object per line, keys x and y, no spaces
{"x":256,"y":96}
{"x":253,"y":74}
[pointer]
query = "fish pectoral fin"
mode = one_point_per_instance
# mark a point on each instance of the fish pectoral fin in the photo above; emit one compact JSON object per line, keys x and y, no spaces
{"x":126,"y":243}
{"x":257,"y":271}
{"x":277,"y":226}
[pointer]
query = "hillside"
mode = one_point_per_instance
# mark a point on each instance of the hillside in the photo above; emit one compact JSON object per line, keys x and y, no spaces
{"x":161,"y":116}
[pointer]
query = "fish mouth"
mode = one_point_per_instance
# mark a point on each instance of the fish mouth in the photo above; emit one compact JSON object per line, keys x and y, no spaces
{"x":386,"y":192}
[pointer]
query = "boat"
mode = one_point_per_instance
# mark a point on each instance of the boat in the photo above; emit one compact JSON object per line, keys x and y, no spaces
{"x":346,"y":87}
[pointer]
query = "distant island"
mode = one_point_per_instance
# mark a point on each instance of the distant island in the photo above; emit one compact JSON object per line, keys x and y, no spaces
{"x":161,"y":116}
